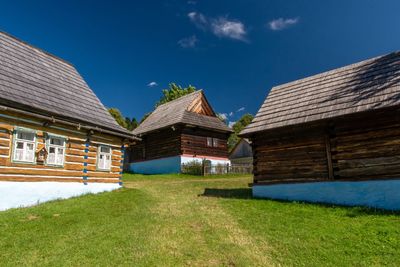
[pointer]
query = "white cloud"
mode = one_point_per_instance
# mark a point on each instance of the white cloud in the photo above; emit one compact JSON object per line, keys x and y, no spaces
{"x":231,"y":114}
{"x":188,"y":42}
{"x":221,"y":26}
{"x":240,"y":109}
{"x":152,"y":84}
{"x":281,"y":23}
{"x":192,"y":2}
{"x":199,"y":20}
{"x":223,"y":116}
{"x":231,"y":123}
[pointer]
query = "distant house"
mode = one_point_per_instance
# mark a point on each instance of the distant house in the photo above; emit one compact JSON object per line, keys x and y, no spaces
{"x":52,"y":126}
{"x":242,"y":154}
{"x":333,"y":137}
{"x":183,"y":130}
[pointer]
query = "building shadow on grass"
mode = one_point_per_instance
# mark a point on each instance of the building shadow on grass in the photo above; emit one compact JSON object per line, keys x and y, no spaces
{"x":238,"y":193}
{"x":245,"y":193}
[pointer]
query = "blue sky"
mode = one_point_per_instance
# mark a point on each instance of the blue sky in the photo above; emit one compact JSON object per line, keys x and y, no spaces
{"x":236,"y":51}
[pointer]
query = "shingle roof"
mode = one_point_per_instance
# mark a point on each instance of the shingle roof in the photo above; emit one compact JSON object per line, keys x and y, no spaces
{"x":176,"y":112}
{"x":36,"y":80}
{"x":367,"y":85}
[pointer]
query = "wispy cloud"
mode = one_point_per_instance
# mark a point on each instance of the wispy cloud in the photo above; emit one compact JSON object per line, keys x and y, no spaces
{"x":231,"y":114}
{"x":188,"y":42}
{"x":152,"y":84}
{"x":231,"y":123}
{"x":282,"y":23}
{"x":223,"y":116}
{"x":192,"y":2}
{"x":199,"y":20}
{"x":241,"y":109}
{"x":221,"y":26}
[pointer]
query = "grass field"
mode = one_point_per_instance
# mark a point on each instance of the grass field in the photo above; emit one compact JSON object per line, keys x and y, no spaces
{"x":176,"y":220}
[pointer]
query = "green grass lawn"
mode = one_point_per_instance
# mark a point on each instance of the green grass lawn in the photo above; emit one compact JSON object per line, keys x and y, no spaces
{"x":175,"y":220}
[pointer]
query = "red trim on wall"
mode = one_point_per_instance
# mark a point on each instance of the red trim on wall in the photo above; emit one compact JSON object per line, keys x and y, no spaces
{"x":204,"y":157}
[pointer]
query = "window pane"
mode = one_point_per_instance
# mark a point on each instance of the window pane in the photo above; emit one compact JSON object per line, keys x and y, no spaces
{"x":209,"y":141}
{"x":60,"y":156}
{"x":29,"y":152}
{"x":52,"y":150}
{"x":20,"y":145}
{"x":215,"y":142}
{"x":56,"y":141}
{"x":51,"y":158}
{"x":19,"y":154}
{"x":26,"y":136}
{"x":105,"y":149}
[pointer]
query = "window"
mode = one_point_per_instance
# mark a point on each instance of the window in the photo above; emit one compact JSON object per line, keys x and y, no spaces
{"x":212,"y":142}
{"x":56,"y":150}
{"x":104,"y":158}
{"x":209,"y":142}
{"x":24,"y":146}
{"x":215,"y":142}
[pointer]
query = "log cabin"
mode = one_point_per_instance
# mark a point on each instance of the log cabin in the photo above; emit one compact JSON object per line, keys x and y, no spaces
{"x":178,"y":132}
{"x":242,"y":153}
{"x":333,"y":137}
{"x":53,"y":128}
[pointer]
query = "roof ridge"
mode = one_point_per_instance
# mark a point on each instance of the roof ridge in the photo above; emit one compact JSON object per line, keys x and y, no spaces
{"x":328,"y":72}
{"x":180,"y":98}
{"x":36,"y":48}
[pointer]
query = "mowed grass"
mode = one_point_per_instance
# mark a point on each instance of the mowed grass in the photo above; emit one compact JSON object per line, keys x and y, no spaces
{"x":177,"y":220}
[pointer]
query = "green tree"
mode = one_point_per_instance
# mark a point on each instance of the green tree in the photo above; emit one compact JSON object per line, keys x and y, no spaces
{"x":131,"y":123}
{"x":125,"y":122}
{"x":237,"y":128}
{"x":173,"y":92}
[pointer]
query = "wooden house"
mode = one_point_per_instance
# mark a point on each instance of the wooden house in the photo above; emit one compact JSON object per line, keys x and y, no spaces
{"x":181,"y":131}
{"x":242,"y":153}
{"x":52,"y":126}
{"x":333,"y":137}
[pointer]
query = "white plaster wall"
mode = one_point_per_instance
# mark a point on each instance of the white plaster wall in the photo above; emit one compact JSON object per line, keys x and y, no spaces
{"x":384,"y":194}
{"x":25,"y":194}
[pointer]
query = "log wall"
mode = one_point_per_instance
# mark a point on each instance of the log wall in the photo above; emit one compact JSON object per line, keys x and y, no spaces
{"x":361,"y":147}
{"x":80,"y":155}
{"x":290,"y":157}
{"x":194,"y":142}
{"x":181,"y":141}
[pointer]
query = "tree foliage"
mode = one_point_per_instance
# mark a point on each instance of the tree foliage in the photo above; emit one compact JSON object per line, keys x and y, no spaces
{"x":237,"y":128}
{"x":125,"y":122}
{"x":173,"y":92}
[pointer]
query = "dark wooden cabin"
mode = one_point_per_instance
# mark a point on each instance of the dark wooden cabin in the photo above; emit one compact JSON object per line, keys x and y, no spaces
{"x":183,"y":130}
{"x":52,"y":125}
{"x":332,"y":137}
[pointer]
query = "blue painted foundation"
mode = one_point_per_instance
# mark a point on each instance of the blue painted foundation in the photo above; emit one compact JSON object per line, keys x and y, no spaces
{"x":383,"y":194}
{"x":157,"y":166}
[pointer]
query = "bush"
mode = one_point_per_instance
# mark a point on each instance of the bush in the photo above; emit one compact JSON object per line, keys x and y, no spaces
{"x":193,"y":167}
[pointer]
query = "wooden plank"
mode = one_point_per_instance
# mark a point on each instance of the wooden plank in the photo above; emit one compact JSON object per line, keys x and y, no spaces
{"x":41,"y":172}
{"x":329,"y":157}
{"x":103,"y":174}
{"x":4,"y":151}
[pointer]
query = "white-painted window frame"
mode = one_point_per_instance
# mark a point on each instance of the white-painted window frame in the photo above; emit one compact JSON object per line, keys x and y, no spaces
{"x":25,"y":143}
{"x":56,"y":149}
{"x":209,"y":142}
{"x":104,"y":154}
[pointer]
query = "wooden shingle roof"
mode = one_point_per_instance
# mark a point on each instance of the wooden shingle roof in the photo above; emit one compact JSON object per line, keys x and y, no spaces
{"x":367,"y":85}
{"x":34,"y":80}
{"x":180,"y":111}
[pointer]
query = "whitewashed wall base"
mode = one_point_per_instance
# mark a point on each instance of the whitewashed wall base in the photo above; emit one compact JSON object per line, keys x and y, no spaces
{"x":384,"y":194}
{"x":25,"y":194}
